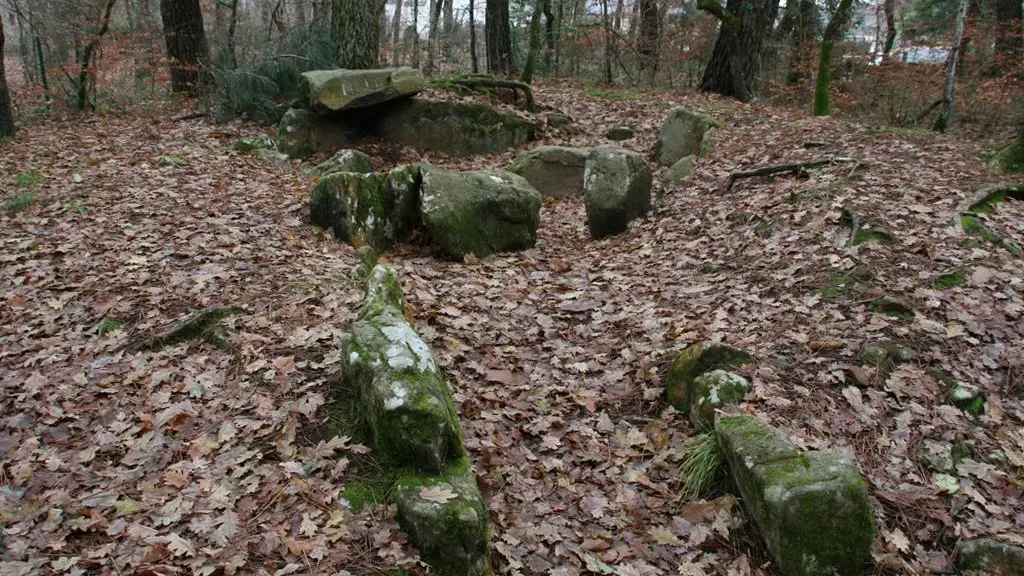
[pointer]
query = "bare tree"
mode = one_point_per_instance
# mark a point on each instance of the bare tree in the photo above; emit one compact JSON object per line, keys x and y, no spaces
{"x":498,"y":30}
{"x":648,"y":39}
{"x":823,"y":84}
{"x":86,"y":83}
{"x":736,"y":59}
{"x":946,"y":109}
{"x":6,"y":113}
{"x":396,"y":34}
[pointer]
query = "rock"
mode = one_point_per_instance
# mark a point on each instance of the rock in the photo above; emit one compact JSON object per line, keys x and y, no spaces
{"x":811,"y":509}
{"x":936,"y":456}
{"x":969,"y":399}
{"x":454,"y":128}
{"x":616,"y":189}
{"x":558,"y":120}
{"x":447,"y":519}
{"x":303,"y":133}
{"x":885,"y":356}
{"x":694,"y":360}
{"x":373,"y":209}
{"x":555,"y":171}
{"x":618,"y":133}
{"x":684,"y":133}
{"x":713,"y":390}
{"x":681,"y":170}
{"x":270,"y":156}
{"x":989,"y":556}
{"x":1010,"y":160}
{"x":336,"y":90}
{"x":247,"y":145}
{"x":405,"y":397}
{"x":480,"y":212}
{"x":343,"y":161}
{"x":893,"y":308}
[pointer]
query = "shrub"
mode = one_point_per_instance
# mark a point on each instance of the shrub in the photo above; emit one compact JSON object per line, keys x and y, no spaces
{"x":264,"y":88}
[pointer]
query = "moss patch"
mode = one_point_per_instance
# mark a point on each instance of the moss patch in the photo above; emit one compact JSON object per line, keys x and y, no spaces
{"x":974,"y":226}
{"x":849,"y":283}
{"x":893,"y":308}
{"x":695,"y":360}
{"x":1010,"y":159}
{"x":947,"y":280}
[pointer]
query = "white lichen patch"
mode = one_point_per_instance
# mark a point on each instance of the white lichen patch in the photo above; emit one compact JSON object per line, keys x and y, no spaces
{"x":397,"y":398}
{"x":407,"y":346}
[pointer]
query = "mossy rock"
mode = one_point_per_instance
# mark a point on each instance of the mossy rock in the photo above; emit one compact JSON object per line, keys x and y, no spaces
{"x":555,"y":171}
{"x":968,"y":399}
{"x":616,"y":190}
{"x":479,"y":212}
{"x":453,"y":128}
{"x":713,"y":390}
{"x":247,"y":145}
{"x":681,"y":170}
{"x":1010,"y":160}
{"x":683,"y":133}
{"x":990,"y":556}
{"x":973,"y":226}
{"x":694,"y":360}
{"x":338,"y":90}
{"x":447,"y":519}
{"x":343,"y":161}
{"x":872,"y":236}
{"x":811,"y":509}
{"x":303,"y":133}
{"x":893,"y":308}
{"x":952,"y":279}
{"x":376,"y":209}
{"x":558,"y":120}
{"x":618,"y":133}
{"x":405,"y":397}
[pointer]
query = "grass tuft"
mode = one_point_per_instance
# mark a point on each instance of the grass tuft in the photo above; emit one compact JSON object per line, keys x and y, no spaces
{"x":701,"y":461}
{"x":20,"y":202}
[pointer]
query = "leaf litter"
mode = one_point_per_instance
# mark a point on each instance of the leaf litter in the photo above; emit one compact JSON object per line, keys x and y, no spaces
{"x":196,"y":458}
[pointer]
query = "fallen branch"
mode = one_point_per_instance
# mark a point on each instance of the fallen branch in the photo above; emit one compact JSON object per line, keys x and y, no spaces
{"x":203,"y":325}
{"x":477,"y":83}
{"x":927,"y":111}
{"x":783,"y":168}
{"x":188,"y":116}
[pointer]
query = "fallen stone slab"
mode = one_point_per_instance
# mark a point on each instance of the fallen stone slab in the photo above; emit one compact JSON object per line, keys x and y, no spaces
{"x":555,"y":171}
{"x":811,"y":508}
{"x":303,"y":133}
{"x":407,"y":403}
{"x":376,"y":209}
{"x":681,"y":387}
{"x":336,"y":90}
{"x":989,"y":556}
{"x":616,"y":189}
{"x":480,"y":212}
{"x":447,"y":519}
{"x":684,"y":133}
{"x":453,"y":128}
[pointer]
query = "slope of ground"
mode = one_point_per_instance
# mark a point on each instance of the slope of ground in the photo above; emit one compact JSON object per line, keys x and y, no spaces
{"x":192,"y":458}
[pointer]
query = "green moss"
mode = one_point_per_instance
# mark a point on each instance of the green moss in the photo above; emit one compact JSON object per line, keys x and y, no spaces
{"x":973,"y":226}
{"x":1010,"y":159}
{"x":872,"y":235}
{"x":695,"y":360}
{"x":892,"y":308}
{"x":20,"y":201}
{"x":849,"y":283}
{"x":971,"y":401}
{"x":948,"y":280}
{"x":359,"y":495}
{"x":247,"y":145}
{"x":28,"y":179}
{"x":108,"y":325}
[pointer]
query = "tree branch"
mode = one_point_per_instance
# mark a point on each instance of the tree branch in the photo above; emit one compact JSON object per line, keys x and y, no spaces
{"x":783,"y":168}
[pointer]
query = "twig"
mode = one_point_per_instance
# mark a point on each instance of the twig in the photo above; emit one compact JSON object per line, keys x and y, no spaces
{"x":783,"y":168}
{"x":188,"y":116}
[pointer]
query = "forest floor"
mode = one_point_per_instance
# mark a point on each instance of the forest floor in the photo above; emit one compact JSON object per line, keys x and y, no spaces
{"x":194,"y":459}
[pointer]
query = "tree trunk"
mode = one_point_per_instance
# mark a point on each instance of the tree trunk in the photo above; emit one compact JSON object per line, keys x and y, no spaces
{"x":498,"y":30}
{"x":416,"y":34}
{"x":802,"y":41}
{"x":890,"y":28}
{"x":619,"y":9}
{"x":321,"y":11}
{"x":475,"y":62}
{"x":86,"y":82}
{"x":396,"y":34}
{"x":531,"y":57}
{"x":232,"y":52}
{"x":1007,"y":53}
{"x":608,"y":40}
{"x":6,"y":112}
{"x":186,"y":44}
{"x":946,"y":110}
{"x":435,"y":21}
{"x":549,"y":37}
{"x":300,"y":13}
{"x":736,"y":58}
{"x":648,"y":40}
{"x":822,"y":97}
{"x":355,"y":32}
{"x":449,"y":28}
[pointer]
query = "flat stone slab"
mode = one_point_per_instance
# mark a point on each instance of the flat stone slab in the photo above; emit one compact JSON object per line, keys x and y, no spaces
{"x":453,"y":128}
{"x":337,"y":90}
{"x":811,"y":509}
{"x":555,"y":171}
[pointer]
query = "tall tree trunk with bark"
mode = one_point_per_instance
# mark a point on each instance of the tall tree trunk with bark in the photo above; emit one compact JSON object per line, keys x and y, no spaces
{"x":946,"y":109}
{"x":186,"y":44}
{"x":890,"y":28}
{"x":416,"y":34}
{"x":474,"y":61}
{"x":531,"y":57}
{"x":86,"y":82}
{"x":609,"y":42}
{"x":736,"y":59}
{"x":396,"y":34}
{"x":802,"y":41}
{"x":499,"y":38}
{"x":435,"y":22}
{"x":6,"y":112}
{"x":355,"y":32}
{"x":648,"y":39}
{"x":1009,"y":44}
{"x":229,"y":47}
{"x":823,"y":84}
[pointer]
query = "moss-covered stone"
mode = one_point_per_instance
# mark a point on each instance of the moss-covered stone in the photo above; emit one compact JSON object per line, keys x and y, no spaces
{"x":375,"y":209}
{"x":892,"y":308}
{"x":811,"y":509}
{"x":406,"y":399}
{"x":337,"y":90}
{"x":681,"y":170}
{"x":555,"y":171}
{"x":683,"y":134}
{"x":693,"y":361}
{"x":447,"y":519}
{"x":952,"y":279}
{"x":343,"y":161}
{"x":989,"y":197}
{"x":247,"y":145}
{"x":303,"y":133}
{"x":713,"y":390}
{"x":479,"y":212}
{"x":867,"y":235}
{"x":969,"y":399}
{"x":990,"y":556}
{"x":454,"y":128}
{"x":619,"y":133}
{"x":885,"y":356}
{"x":1010,"y":160}
{"x":616,"y":189}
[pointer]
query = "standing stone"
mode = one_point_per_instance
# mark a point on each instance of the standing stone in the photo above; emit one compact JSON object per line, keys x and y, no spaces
{"x":336,"y":90}
{"x":812,"y":509}
{"x":480,"y":212}
{"x":684,"y":133}
{"x":303,"y":133}
{"x":453,"y":128}
{"x":555,"y":171}
{"x":616,"y":189}
{"x":696,"y":359}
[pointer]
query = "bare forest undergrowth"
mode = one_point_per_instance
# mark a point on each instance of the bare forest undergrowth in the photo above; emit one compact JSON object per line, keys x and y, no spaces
{"x":198,"y":458}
